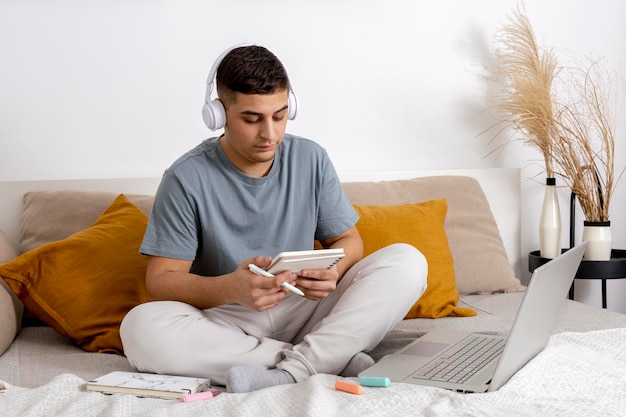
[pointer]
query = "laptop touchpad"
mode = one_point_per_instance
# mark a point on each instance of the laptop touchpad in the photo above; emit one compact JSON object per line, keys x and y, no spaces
{"x":425,"y":349}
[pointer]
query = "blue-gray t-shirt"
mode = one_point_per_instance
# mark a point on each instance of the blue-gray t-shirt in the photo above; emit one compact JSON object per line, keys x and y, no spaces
{"x":208,"y":211}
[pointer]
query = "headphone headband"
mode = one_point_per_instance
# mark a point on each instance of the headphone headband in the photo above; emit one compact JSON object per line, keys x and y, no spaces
{"x":213,"y":111}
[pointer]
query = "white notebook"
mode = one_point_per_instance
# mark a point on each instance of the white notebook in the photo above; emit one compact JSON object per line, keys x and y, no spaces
{"x":147,"y":385}
{"x":296,"y":261}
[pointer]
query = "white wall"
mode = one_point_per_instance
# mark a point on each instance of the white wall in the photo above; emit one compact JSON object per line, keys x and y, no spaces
{"x":112,"y":88}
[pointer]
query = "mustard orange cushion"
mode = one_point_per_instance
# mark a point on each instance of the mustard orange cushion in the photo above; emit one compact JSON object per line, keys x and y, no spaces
{"x":420,"y":225}
{"x":84,"y":285}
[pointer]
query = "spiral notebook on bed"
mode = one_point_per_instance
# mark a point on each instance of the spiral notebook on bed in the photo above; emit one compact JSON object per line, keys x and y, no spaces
{"x":474,"y":362}
{"x":147,"y":385}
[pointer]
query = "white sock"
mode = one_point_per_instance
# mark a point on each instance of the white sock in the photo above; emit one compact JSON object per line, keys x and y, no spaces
{"x":250,"y":378}
{"x":359,"y":362}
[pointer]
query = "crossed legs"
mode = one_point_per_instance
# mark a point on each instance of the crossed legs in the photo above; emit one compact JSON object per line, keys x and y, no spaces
{"x":299,"y":337}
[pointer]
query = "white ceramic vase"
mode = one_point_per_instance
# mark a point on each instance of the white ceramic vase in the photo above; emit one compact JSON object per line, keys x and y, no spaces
{"x":550,"y":223}
{"x":599,"y":241}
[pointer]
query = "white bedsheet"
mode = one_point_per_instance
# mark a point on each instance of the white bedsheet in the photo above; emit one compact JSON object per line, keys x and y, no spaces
{"x":578,"y":374}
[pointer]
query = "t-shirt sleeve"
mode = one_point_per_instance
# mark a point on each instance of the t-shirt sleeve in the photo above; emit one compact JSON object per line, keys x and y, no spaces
{"x":172,"y":230}
{"x":336,"y":214}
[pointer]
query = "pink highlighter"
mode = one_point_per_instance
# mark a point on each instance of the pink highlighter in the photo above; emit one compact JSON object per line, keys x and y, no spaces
{"x":198,"y":396}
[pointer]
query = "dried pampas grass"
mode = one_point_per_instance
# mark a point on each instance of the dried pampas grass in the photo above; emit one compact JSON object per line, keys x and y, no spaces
{"x":526,"y":74}
{"x":584,"y":139}
{"x":573,"y":128}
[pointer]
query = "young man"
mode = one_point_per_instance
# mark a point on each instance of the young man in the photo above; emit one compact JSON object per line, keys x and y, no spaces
{"x":238,"y":199}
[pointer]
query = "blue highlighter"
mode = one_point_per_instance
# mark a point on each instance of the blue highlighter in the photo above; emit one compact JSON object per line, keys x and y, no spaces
{"x":374,"y":381}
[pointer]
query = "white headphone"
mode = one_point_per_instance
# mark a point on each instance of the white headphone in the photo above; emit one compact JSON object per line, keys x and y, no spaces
{"x":213,"y":111}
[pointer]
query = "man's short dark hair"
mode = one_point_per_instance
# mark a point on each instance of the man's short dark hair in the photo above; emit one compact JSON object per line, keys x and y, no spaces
{"x":250,"y":70}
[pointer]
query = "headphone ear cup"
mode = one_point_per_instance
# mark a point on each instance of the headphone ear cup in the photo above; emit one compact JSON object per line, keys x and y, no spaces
{"x":293,"y":105}
{"x":214,"y":114}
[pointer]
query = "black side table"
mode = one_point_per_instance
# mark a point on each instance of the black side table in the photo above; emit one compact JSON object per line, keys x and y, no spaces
{"x":602,"y":270}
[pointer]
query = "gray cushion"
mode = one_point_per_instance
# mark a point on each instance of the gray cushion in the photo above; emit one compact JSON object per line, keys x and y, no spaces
{"x":481,"y":264}
{"x":50,"y":216}
{"x":11,"y":309}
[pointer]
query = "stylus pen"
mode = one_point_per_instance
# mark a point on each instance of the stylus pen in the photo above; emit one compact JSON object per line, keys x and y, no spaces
{"x":263,"y":272}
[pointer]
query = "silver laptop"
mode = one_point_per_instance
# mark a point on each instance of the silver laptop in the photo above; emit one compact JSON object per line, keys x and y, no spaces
{"x":440,"y":357}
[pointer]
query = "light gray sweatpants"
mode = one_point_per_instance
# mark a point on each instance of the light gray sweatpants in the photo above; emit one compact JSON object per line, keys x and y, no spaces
{"x":300,"y":336}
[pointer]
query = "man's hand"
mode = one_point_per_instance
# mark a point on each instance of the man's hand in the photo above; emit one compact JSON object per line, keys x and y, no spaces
{"x":317,"y":284}
{"x":258,"y":292}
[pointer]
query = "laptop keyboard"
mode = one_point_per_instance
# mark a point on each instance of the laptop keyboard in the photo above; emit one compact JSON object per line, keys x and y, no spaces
{"x":462,"y":361}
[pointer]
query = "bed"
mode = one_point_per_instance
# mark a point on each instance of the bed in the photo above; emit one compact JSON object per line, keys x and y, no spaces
{"x":43,"y":371}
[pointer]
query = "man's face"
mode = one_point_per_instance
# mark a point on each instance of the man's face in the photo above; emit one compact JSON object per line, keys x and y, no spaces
{"x":255,"y":125}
